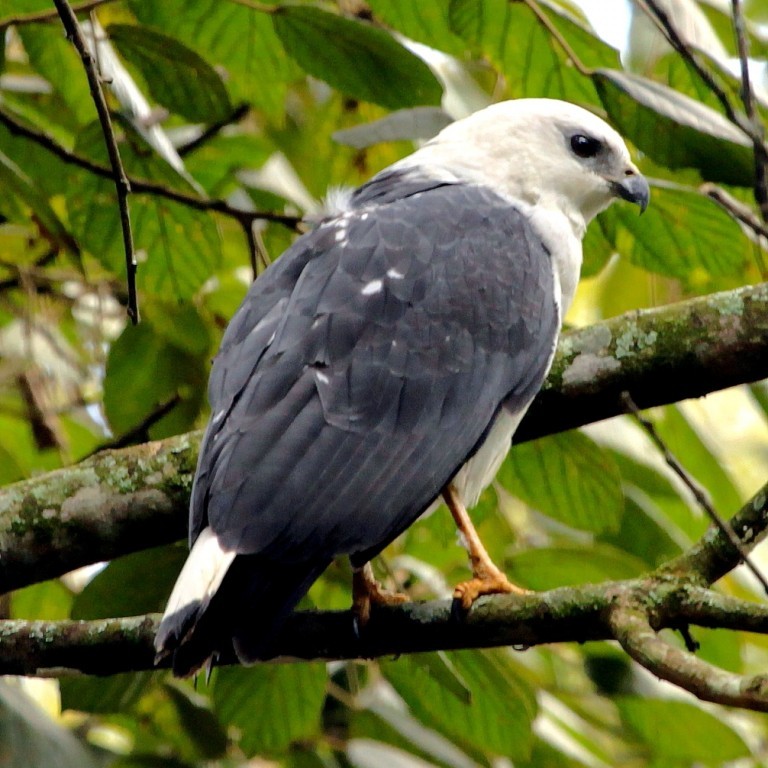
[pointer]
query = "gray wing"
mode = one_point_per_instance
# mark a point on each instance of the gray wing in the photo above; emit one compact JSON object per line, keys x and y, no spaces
{"x":363,"y":369}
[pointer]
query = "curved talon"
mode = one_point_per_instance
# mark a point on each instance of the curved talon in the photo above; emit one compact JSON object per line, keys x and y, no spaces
{"x":367,"y":592}
{"x":468,"y":591}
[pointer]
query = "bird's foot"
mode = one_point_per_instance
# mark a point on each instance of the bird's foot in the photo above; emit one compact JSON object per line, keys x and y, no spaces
{"x":487,"y":580}
{"x":367,"y":592}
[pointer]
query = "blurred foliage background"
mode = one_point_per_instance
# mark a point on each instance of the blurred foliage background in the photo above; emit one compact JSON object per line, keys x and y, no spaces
{"x":226,"y":109}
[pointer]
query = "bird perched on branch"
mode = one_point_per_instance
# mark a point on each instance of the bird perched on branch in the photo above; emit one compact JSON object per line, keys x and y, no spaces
{"x":386,"y":359}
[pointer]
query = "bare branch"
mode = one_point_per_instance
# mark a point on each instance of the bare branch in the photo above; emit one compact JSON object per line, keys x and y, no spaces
{"x":112,"y":504}
{"x":122,"y":185}
{"x":630,"y":626}
{"x":715,"y":555}
{"x":707,"y":608}
{"x":142,"y":186}
{"x":660,"y":17}
{"x":568,"y":614}
{"x":237,"y":114}
{"x":698,"y":492}
{"x":748,"y":98}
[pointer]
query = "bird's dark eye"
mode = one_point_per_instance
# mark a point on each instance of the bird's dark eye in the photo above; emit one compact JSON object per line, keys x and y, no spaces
{"x":585,"y":146}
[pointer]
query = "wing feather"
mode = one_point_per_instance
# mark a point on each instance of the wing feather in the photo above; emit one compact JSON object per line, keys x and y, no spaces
{"x":365,"y":366}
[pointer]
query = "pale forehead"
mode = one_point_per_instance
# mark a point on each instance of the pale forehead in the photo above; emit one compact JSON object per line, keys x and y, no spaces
{"x":528,"y":114}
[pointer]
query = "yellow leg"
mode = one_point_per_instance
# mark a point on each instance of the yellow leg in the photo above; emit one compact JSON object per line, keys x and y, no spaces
{"x":486,"y":579}
{"x":366,"y":592}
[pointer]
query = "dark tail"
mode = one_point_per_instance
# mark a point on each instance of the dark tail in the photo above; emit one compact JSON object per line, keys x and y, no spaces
{"x":242,"y":618}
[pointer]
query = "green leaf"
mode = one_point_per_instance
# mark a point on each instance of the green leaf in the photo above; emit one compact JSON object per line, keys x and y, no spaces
{"x":679,"y":731}
{"x":403,"y":125}
{"x":131,"y":585}
{"x":177,"y":77}
{"x":354,"y":57}
{"x":388,"y":724}
{"x":177,"y":247}
{"x":568,"y":477}
{"x":498,"y":719}
{"x":15,"y":182}
{"x":144,"y":373}
{"x":50,"y":600}
{"x":674,"y":129}
{"x":640,"y":534}
{"x":272,"y":705}
{"x":698,"y":459}
{"x":238,"y":40}
{"x":522,"y":49}
{"x":442,"y":671}
{"x":104,"y":695}
{"x":426,"y":22}
{"x":547,"y":568}
{"x":214,"y":164}
{"x":197,"y":721}
{"x":55,"y":58}
{"x":662,"y":499}
{"x":683,"y":234}
{"x":545,"y":755}
{"x":30,"y":738}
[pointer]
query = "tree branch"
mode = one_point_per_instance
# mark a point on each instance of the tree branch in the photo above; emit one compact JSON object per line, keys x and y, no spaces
{"x":141,"y":186}
{"x":568,"y":614}
{"x":213,"y":130}
{"x":748,"y":99}
{"x":659,"y":356}
{"x":715,"y":555}
{"x":101,"y":496}
{"x":660,"y":17}
{"x":698,"y":492}
{"x":118,"y":175}
{"x":112,"y":504}
{"x":123,"y":501}
{"x":630,"y":626}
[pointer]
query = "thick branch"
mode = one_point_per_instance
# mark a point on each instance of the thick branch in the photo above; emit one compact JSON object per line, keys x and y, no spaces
{"x":659,"y":356}
{"x":570,"y":614}
{"x":112,"y":504}
{"x":136,"y":498}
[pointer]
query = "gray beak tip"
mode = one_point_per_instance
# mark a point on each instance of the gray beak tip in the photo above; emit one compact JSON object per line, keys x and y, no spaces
{"x":634,"y":189}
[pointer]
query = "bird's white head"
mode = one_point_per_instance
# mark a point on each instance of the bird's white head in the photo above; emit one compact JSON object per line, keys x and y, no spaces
{"x":543,"y":152}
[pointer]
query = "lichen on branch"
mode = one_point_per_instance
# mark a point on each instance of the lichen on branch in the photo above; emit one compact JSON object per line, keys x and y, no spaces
{"x":131,"y":499}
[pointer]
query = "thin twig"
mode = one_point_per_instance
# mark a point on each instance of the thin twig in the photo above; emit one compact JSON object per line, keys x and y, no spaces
{"x":742,"y":213}
{"x":237,"y":114}
{"x":44,"y":17}
{"x":748,"y":98}
{"x":122,"y":185}
{"x":660,"y":17}
{"x":554,"y":32}
{"x":698,"y":492}
{"x":139,"y":433}
{"x":253,"y":248}
{"x":142,"y":186}
{"x":17,"y":281}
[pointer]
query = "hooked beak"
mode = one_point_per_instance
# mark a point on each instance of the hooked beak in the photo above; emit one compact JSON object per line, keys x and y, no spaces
{"x":633,"y":188}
